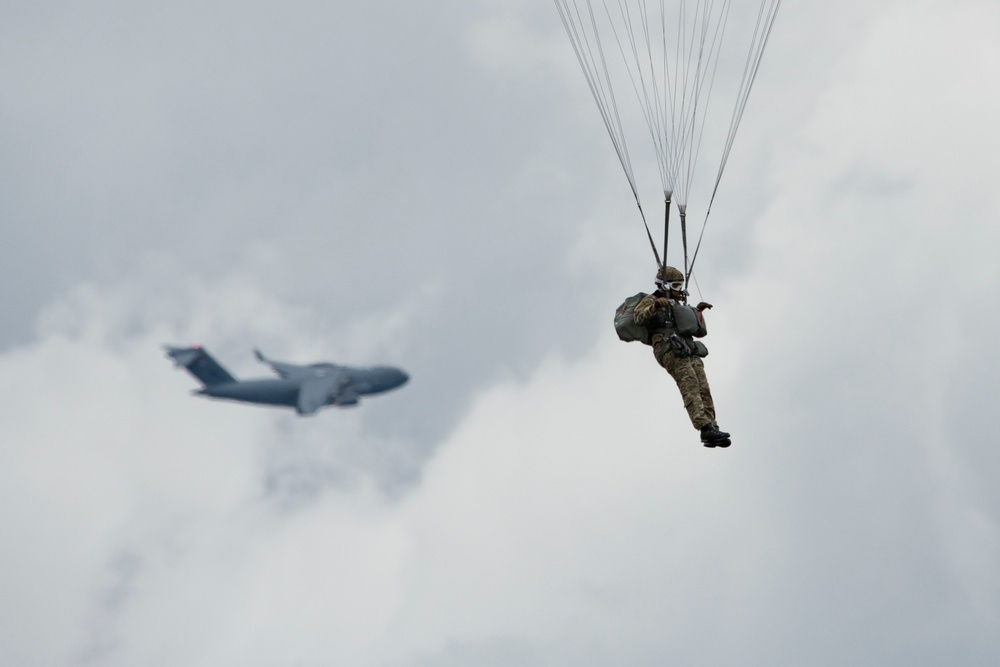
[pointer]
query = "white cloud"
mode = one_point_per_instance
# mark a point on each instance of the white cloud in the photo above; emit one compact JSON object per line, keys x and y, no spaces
{"x":571,"y":516}
{"x":129,"y":504}
{"x":578,"y":506}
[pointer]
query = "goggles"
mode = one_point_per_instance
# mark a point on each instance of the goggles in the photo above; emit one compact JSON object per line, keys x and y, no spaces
{"x":675,"y":285}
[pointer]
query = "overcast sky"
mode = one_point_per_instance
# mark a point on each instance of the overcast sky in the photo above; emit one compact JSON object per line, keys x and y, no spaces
{"x":429,"y":185}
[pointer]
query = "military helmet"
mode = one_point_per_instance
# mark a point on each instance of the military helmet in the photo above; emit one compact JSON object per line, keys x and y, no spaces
{"x":670,"y":280}
{"x":668,"y":274}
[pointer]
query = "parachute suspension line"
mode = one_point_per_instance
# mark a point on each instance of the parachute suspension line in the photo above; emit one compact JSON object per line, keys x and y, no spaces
{"x":668,"y":107}
{"x":673,"y":75}
{"x":673,"y":117}
{"x":658,"y":109}
{"x":698,"y":80}
{"x":704,"y":75}
{"x":599,"y":82}
{"x":762,"y":34}
{"x":684,"y":45}
{"x":649,"y":102}
{"x":670,"y":116}
{"x":688,"y":99}
{"x":697,"y":59}
{"x":652,"y":244}
{"x":600,"y":86}
{"x":674,"y":82}
{"x":674,"y":87}
{"x":697,"y":287}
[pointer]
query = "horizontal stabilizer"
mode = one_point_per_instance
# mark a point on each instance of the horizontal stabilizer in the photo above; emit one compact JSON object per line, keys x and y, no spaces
{"x":200,"y":364}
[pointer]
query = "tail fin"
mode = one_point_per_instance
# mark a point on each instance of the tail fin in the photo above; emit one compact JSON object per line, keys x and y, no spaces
{"x":198,"y":362}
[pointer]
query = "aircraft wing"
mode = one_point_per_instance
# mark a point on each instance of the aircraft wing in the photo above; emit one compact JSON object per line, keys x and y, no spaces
{"x":281,"y":368}
{"x":314,"y":392}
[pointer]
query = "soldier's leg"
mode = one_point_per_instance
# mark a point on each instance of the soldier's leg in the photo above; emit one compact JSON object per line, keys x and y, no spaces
{"x":705,"y":392}
{"x":682,"y":371}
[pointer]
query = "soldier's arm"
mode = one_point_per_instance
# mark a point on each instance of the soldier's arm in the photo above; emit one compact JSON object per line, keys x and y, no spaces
{"x":644,"y":310}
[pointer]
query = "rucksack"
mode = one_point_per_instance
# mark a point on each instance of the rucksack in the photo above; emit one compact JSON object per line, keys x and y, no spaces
{"x":625,"y":324}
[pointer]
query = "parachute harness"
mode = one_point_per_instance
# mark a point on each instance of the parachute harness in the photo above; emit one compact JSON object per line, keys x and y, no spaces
{"x":670,"y":51}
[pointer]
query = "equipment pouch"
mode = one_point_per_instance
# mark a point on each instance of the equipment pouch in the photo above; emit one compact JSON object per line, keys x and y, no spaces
{"x":689,"y":320}
{"x":699,"y":348}
{"x":680,"y":347}
{"x":625,"y":324}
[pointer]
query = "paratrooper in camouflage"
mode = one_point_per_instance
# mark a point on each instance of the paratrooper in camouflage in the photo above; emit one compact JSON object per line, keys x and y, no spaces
{"x":679,"y":353}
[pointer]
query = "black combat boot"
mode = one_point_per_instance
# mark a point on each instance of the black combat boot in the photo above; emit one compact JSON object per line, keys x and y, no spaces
{"x":711,"y":436}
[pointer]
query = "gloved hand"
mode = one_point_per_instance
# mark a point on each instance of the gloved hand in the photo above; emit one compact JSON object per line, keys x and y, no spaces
{"x":702,"y":306}
{"x":663,"y":303}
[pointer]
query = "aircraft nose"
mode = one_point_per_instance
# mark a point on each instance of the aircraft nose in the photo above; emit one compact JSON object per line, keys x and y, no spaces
{"x":402,"y":378}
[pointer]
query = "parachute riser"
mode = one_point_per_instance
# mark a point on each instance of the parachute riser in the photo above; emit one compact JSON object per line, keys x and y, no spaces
{"x":684,"y":239}
{"x":666,"y":229}
{"x":666,"y":236}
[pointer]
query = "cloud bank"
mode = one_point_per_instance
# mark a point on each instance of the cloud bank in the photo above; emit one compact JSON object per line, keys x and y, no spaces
{"x":562,"y":510}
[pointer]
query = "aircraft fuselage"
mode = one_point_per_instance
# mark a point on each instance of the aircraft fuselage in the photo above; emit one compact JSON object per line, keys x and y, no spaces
{"x":303,"y":387}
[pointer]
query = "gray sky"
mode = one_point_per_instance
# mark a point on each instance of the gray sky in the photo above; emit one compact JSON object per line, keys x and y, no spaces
{"x":429,"y":185}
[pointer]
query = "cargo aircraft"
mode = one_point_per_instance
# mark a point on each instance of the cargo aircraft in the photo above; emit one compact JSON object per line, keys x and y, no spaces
{"x":307,"y":388}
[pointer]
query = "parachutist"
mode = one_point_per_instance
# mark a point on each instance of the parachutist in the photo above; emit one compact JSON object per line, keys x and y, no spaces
{"x":672,"y":327}
{"x":664,"y":45}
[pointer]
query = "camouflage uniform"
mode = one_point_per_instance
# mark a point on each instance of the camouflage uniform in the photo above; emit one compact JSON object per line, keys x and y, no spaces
{"x":687,"y":371}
